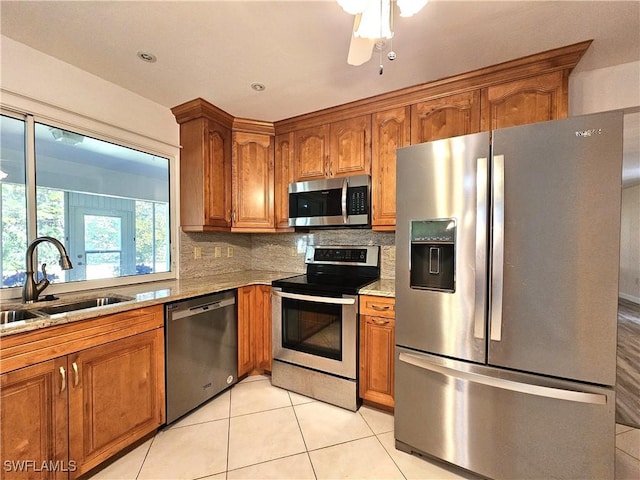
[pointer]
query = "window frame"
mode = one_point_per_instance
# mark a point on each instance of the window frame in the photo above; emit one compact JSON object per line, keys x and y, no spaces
{"x":107,"y":133}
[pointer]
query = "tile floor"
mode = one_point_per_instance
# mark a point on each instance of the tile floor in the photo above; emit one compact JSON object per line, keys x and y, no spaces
{"x":257,"y":431}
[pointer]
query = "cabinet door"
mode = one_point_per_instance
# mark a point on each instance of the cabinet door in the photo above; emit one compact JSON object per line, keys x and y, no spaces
{"x":245,"y":303}
{"x":253,"y":179}
{"x":377,"y":344}
{"x":33,"y":413}
{"x":311,"y":150}
{"x":254,"y":329}
{"x":445,"y":117}
{"x":218,"y":175}
{"x":262,"y":330}
{"x":116,"y":396}
{"x":350,"y":147}
{"x":530,"y":100}
{"x":205,"y":175}
{"x":283,"y":177}
{"x":391,"y":130}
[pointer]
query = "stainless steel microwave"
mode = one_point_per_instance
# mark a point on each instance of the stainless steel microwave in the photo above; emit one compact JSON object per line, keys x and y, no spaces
{"x":331,"y":202}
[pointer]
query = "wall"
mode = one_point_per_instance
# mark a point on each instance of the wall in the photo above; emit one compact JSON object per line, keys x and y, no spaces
{"x":630,"y":245}
{"x":612,"y":88}
{"x":31,"y":79}
{"x":282,"y":252}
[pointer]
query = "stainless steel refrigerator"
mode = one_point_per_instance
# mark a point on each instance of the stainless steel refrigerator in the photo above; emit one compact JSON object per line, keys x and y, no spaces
{"x":507,"y":259}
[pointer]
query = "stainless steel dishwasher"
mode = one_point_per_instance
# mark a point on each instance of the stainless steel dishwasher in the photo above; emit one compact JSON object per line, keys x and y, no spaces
{"x":201,"y":345}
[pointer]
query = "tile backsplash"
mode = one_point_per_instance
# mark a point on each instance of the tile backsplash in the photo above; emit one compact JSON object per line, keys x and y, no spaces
{"x":279,"y":252}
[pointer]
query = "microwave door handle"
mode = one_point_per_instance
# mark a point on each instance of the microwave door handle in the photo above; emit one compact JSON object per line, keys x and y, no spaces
{"x":345,"y":184}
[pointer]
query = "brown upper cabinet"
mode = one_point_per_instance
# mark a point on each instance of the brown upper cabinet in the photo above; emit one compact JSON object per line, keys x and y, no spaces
{"x":445,"y":117}
{"x":205,"y":166}
{"x":337,"y":149}
{"x":226,"y":170}
{"x":350,"y":147}
{"x":528,"y":100}
{"x":390,"y":131}
{"x":352,"y":139}
{"x":252,"y":181}
{"x":283,"y":164}
{"x":311,"y":153}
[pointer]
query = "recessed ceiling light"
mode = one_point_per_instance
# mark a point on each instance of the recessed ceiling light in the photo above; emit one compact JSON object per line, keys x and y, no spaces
{"x":258,"y":87}
{"x":146,"y":56}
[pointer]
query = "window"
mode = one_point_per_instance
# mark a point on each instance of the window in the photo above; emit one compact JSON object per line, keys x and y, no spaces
{"x":107,"y":203}
{"x":13,"y":200}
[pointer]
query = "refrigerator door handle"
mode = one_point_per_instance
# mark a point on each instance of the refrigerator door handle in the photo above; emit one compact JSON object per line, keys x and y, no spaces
{"x":481,"y":248}
{"x":526,"y":388}
{"x":497,"y":257}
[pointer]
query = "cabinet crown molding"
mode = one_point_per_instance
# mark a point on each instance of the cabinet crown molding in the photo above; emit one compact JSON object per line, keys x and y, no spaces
{"x":558,"y":59}
{"x":198,"y":108}
{"x":562,"y":58}
{"x":253,"y":126}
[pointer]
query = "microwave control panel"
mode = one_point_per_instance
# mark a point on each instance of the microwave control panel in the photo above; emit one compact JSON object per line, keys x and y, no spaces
{"x":358,"y":201}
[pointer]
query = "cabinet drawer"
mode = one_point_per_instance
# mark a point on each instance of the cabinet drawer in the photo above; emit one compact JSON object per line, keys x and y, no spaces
{"x":377,"y":306}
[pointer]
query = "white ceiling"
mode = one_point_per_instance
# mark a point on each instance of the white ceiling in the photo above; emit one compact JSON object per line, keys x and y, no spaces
{"x":298,"y":49}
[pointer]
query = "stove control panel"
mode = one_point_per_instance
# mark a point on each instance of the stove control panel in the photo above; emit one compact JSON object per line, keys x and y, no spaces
{"x":343,"y":255}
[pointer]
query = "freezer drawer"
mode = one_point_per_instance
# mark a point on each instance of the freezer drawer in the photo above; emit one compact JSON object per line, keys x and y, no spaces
{"x":502,"y":424}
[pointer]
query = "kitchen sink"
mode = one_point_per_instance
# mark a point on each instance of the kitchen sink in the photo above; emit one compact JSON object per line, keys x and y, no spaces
{"x":8,"y":316}
{"x":82,"y":304}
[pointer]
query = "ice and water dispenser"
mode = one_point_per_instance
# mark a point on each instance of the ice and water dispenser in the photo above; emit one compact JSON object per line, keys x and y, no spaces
{"x":433,"y":245}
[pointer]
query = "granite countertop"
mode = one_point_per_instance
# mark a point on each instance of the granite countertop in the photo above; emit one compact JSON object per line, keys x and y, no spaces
{"x":142,"y":295}
{"x":385,"y":287}
{"x":155,"y":293}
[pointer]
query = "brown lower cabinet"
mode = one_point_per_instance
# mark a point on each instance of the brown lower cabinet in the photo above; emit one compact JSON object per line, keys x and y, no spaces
{"x":254,"y":329}
{"x":34,"y":421}
{"x":63,"y":416}
{"x":377,"y":345}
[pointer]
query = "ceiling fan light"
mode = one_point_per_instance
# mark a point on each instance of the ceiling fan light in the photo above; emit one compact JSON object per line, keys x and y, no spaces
{"x":352,"y":7}
{"x":409,"y":8}
{"x":375,"y":21}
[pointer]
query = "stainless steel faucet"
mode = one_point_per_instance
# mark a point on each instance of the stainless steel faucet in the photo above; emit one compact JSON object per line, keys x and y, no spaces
{"x":31,"y":289}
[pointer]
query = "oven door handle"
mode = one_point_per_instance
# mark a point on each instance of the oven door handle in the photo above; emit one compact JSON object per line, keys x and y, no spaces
{"x":315,"y":298}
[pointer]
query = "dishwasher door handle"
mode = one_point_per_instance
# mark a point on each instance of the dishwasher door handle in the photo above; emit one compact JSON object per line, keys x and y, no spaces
{"x":207,"y":307}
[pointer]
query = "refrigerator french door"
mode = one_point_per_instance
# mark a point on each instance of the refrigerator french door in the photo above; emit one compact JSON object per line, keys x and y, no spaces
{"x":507,"y":257}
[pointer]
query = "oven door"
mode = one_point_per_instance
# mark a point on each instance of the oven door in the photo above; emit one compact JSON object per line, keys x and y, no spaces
{"x":316,"y":331}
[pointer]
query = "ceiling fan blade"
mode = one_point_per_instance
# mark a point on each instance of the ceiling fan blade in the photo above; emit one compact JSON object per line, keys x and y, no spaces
{"x":360,"y":49}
